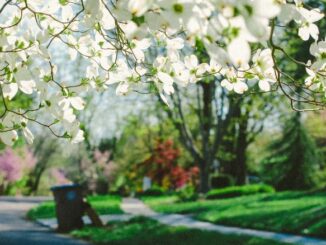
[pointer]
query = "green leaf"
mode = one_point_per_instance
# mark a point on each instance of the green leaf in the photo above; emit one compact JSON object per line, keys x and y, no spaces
{"x":63,"y":2}
{"x":47,"y":78}
{"x":48,"y":103}
{"x":138,"y":20}
{"x":66,"y":135}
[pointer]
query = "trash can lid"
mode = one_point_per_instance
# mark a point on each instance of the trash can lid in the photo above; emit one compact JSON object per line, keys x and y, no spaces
{"x":60,"y":187}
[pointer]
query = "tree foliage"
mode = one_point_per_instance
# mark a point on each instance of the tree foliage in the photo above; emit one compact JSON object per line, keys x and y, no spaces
{"x":293,"y":160}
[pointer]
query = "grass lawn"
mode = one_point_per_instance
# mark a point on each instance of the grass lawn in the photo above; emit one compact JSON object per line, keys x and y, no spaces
{"x":103,"y":205}
{"x":290,"y":212}
{"x":143,"y":231}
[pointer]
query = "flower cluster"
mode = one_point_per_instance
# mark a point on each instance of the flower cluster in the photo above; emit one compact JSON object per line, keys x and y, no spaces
{"x":13,"y":164}
{"x":132,"y":43}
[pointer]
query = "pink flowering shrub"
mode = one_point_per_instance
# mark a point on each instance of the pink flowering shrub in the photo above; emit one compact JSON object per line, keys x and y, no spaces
{"x":14,"y":166}
{"x":59,"y":176}
{"x":105,"y":167}
{"x":10,"y":166}
{"x":28,"y":159}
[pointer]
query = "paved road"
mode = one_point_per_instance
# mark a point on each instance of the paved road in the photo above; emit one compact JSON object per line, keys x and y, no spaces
{"x":15,"y":230}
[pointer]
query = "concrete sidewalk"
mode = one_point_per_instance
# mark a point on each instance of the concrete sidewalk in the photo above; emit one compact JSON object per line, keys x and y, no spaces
{"x":25,"y":199}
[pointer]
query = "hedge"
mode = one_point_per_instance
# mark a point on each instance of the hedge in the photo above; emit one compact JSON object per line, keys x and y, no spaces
{"x":235,"y":191}
{"x":153,"y":191}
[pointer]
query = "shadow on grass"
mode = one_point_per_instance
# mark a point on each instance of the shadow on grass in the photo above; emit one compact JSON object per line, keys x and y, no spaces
{"x":288,"y":195}
{"x":291,"y":212}
{"x":305,"y":220}
{"x":143,"y":231}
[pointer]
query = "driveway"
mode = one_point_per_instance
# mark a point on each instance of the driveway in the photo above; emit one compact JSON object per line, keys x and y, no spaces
{"x":16,"y":230}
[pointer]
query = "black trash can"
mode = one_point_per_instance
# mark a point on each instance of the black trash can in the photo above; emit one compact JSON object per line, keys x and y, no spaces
{"x":69,"y":206}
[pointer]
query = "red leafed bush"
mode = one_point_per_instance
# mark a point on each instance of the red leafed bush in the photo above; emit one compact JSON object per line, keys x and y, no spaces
{"x":163,"y":169}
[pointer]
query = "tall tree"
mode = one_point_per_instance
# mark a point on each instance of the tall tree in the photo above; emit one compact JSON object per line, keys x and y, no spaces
{"x":247,"y":121}
{"x":293,"y":157}
{"x":224,"y":124}
{"x":219,"y":114}
{"x":44,"y":149}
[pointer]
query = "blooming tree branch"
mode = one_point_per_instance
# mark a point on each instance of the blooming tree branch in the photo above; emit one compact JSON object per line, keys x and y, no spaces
{"x":145,"y":44}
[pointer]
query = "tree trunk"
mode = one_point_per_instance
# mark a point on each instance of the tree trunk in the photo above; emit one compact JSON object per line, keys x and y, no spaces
{"x":37,"y":182}
{"x":206,"y":126}
{"x":229,"y":144}
{"x":237,"y":143}
{"x":203,"y":156}
{"x":34,"y":181}
{"x":204,"y":177}
{"x":240,"y":161}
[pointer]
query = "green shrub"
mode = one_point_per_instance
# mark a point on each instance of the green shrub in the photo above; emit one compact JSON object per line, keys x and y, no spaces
{"x":235,"y":191}
{"x":221,"y":181}
{"x":187,"y":194}
{"x":154,"y":191}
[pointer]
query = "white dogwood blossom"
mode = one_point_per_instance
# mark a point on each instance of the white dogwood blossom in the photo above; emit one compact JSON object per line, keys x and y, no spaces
{"x":306,"y":21}
{"x":317,"y":71}
{"x":149,"y":44}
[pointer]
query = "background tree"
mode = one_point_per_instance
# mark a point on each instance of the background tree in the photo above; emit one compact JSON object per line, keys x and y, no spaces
{"x":45,"y":150}
{"x":213,"y":122}
{"x":247,"y":121}
{"x":296,"y":161}
{"x":293,"y":160}
{"x":315,"y":123}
